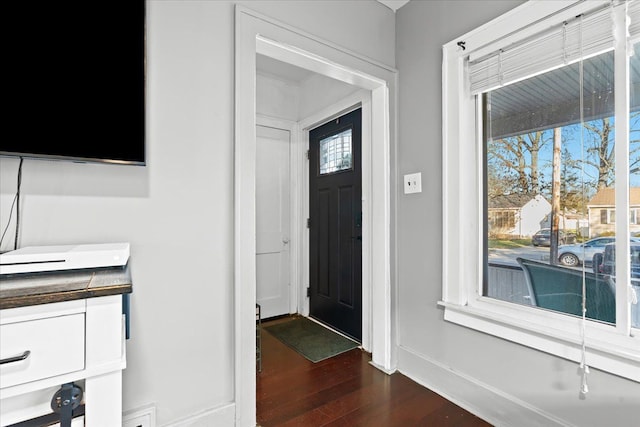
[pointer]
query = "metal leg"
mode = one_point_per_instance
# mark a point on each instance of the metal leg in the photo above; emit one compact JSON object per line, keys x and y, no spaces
{"x":258,"y":338}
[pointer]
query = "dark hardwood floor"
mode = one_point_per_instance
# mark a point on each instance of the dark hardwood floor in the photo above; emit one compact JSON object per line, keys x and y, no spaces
{"x":344,"y":391}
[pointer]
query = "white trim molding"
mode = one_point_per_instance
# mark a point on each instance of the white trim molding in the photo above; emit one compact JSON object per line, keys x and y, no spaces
{"x":221,"y":416}
{"x":492,"y":405}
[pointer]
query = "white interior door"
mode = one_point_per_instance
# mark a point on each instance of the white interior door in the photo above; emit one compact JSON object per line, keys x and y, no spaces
{"x":272,"y":221}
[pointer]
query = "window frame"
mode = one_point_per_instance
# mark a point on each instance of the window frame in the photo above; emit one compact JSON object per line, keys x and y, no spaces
{"x":336,"y":169}
{"x":503,"y":216}
{"x":607,"y":216}
{"x":614,"y":349}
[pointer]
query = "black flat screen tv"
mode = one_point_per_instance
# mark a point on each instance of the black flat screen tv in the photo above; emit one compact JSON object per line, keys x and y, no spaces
{"x":76,"y":81}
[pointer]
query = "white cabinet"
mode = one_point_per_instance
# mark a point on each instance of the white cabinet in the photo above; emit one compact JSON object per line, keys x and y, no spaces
{"x":41,"y":348}
{"x":80,"y":341}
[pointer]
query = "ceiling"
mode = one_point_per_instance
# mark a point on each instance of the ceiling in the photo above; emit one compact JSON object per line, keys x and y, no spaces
{"x":553,"y":99}
{"x":274,"y":68}
{"x":394,"y":4}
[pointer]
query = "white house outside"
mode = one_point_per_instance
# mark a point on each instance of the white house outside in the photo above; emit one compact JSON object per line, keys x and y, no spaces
{"x":602,"y":212}
{"x":517,"y":215}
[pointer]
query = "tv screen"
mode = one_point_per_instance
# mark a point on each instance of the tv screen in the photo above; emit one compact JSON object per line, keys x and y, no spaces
{"x":76,"y":84}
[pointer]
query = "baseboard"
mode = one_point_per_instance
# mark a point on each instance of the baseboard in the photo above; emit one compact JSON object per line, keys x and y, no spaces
{"x":221,"y":416}
{"x":144,"y":416}
{"x":382,"y":368}
{"x":488,"y":403}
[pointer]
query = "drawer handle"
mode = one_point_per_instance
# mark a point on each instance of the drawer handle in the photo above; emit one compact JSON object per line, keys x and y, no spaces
{"x":13,"y":359}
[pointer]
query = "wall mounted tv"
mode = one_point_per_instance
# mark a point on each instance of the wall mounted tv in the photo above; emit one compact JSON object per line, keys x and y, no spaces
{"x":76,"y":84}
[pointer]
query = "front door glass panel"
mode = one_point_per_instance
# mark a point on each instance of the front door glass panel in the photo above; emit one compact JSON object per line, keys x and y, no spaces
{"x":335,"y":153}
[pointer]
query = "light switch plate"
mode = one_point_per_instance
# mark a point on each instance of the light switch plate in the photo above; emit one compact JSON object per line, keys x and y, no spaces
{"x":413,"y":183}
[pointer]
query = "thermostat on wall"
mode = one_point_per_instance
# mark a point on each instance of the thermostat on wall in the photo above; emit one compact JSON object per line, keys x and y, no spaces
{"x":33,"y":259}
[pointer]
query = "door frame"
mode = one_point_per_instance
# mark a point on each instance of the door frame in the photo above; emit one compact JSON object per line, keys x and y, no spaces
{"x":257,"y":34}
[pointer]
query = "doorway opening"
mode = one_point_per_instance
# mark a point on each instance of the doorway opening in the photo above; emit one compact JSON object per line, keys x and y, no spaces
{"x":257,"y":34}
{"x":295,"y":102}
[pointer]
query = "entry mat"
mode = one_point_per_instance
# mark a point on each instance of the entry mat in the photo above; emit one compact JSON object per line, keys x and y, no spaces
{"x":311,"y":340}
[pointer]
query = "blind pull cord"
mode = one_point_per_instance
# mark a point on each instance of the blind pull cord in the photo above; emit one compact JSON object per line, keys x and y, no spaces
{"x":584,"y":386}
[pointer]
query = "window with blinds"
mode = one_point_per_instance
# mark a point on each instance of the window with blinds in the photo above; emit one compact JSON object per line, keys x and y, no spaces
{"x":546,"y":116}
{"x":549,"y":115}
{"x":572,"y":41}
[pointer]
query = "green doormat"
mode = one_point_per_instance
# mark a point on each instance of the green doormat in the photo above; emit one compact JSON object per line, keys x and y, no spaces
{"x":313,"y":341}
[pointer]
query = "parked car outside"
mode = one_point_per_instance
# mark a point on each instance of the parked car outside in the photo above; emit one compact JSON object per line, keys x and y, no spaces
{"x":542,"y":237}
{"x":605,"y":263}
{"x":608,"y":265}
{"x":582,"y":253}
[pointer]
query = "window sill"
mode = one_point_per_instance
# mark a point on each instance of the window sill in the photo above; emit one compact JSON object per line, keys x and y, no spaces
{"x":621,"y":357}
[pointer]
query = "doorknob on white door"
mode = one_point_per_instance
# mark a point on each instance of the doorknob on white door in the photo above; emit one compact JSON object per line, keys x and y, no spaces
{"x":285,"y":240}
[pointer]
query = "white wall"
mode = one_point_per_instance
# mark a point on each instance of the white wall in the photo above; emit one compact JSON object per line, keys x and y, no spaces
{"x":532,"y":216}
{"x":277,"y":97}
{"x":504,"y":379}
{"x":362,"y":26}
{"x":319,"y":92}
{"x":177,"y":212}
{"x":280,"y":98}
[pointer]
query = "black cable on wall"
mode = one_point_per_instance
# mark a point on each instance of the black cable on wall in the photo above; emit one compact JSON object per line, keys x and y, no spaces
{"x":15,"y":203}
{"x":19,"y":185}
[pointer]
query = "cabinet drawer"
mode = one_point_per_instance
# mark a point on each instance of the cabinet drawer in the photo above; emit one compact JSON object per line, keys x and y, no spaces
{"x":55,"y":346}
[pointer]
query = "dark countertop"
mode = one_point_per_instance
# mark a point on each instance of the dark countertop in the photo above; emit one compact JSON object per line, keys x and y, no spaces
{"x":20,"y":290}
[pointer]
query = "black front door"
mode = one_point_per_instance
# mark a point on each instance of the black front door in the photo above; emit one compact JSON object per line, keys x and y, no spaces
{"x":335,"y":224}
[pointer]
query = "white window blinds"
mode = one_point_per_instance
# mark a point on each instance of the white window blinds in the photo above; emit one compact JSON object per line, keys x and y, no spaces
{"x":582,"y":37}
{"x":634,"y":17}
